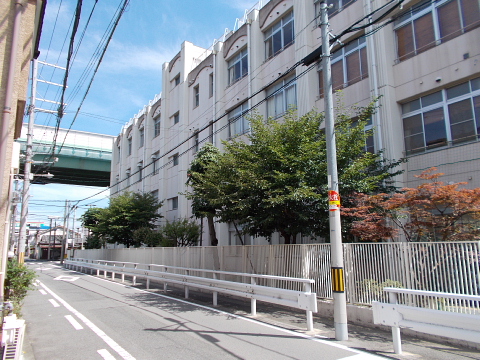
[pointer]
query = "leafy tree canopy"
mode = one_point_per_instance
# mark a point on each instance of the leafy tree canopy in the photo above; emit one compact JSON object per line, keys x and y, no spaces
{"x":201,"y":204}
{"x":125,"y":214}
{"x":180,"y":232}
{"x":277,"y":179}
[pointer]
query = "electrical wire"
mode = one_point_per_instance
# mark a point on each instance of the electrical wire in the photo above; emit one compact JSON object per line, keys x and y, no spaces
{"x":301,"y":62}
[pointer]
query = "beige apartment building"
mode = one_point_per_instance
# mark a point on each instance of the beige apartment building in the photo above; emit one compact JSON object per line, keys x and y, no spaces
{"x":19,"y":35}
{"x":422,"y":60}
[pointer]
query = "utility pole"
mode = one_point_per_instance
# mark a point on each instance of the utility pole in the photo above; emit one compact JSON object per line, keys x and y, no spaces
{"x":338,"y":284}
{"x":28,"y":168}
{"x":27,"y":173}
{"x":49,"y":239}
{"x":65,"y":230}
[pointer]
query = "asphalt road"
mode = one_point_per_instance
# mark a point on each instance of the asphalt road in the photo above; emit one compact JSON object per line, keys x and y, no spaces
{"x":78,"y":316}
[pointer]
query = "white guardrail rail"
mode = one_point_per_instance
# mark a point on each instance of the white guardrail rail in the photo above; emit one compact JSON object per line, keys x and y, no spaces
{"x":456,"y":325}
{"x":304,"y":300}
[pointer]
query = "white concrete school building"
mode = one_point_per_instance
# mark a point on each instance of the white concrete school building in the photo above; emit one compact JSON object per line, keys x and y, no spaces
{"x":423,"y":60}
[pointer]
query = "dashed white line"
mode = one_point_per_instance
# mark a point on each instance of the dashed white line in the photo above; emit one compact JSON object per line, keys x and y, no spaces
{"x":108,"y":340}
{"x":105,"y":354}
{"x":74,"y":322}
{"x":54,"y":303}
{"x":43,"y":292}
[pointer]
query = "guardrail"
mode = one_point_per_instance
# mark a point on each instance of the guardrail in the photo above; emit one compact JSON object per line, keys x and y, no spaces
{"x":196,"y":278}
{"x":450,"y":324}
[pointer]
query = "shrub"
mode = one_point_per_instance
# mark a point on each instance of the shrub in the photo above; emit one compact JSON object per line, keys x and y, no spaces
{"x":18,"y":281}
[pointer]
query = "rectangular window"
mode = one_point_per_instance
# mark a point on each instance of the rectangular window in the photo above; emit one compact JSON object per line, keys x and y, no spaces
{"x":127,"y":176}
{"x":174,"y":160}
{"x":196,"y":96}
{"x":446,"y":117}
{"x":210,"y":85}
{"x":176,"y":80}
{"x":336,"y":7}
{"x":119,"y":153}
{"x":349,"y":65}
{"x":140,"y":171}
{"x":154,"y":194}
{"x":279,"y":36}
{"x":433,"y":22}
{"x":195,"y":141}
{"x":155,"y":157}
{"x":129,"y":146}
{"x":281,"y":97}
{"x":141,"y":137}
{"x":173,"y":203}
{"x":238,"y":124}
{"x":176,"y":118}
{"x":156,"y":127}
{"x":238,"y":66}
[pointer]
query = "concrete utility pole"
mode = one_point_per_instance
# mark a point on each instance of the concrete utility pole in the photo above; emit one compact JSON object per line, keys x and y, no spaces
{"x":338,"y":284}
{"x":65,"y":230}
{"x":27,"y":170}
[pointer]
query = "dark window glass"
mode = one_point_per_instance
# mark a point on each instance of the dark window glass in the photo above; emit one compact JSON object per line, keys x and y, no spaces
{"x":462,"y":123}
{"x":434,"y":125}
{"x":424,"y":34}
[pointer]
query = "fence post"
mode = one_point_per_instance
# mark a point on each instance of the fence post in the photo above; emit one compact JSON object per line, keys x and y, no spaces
{"x":165,"y":285}
{"x":123,"y":273}
{"x":215,"y":293}
{"x":349,"y":274}
{"x":148,"y":279}
{"x":135,"y":277}
{"x":308,"y":290}
{"x":253,"y":301}
{"x":186,"y":287}
{"x":397,"y":340}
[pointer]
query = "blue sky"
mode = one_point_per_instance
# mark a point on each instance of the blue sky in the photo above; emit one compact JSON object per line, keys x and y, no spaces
{"x":149,"y":33}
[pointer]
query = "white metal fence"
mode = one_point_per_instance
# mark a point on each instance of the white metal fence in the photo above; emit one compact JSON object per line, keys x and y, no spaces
{"x":447,"y":267}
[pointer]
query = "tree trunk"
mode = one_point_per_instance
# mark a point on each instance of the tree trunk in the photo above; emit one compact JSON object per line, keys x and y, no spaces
{"x":211,"y":230}
{"x":286,"y":237}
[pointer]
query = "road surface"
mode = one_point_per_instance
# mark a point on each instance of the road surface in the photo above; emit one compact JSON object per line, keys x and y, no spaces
{"x":77,"y":316}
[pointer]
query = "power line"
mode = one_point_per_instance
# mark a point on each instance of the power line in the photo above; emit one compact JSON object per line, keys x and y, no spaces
{"x":308,"y":61}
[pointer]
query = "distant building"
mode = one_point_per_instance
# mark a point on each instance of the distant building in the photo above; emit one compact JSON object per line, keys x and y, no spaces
{"x":425,"y":65}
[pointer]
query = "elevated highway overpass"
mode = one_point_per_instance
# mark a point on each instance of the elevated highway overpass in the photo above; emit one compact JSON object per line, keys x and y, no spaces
{"x":84,"y":158}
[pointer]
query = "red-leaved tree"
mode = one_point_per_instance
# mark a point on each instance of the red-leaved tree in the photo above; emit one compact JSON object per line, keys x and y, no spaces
{"x":433,"y":211}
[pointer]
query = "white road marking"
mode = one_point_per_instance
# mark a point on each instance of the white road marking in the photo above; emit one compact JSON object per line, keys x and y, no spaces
{"x":105,"y":354}
{"x":108,"y":340}
{"x":67,"y":278}
{"x":74,"y":322}
{"x":317,"y":338}
{"x":54,"y":303}
{"x":43,"y":292}
{"x":43,"y":268}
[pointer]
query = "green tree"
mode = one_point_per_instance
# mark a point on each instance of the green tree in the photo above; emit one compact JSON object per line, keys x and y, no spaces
{"x":180,"y":232}
{"x":125,"y":214}
{"x":277,"y":180}
{"x":93,"y":242}
{"x":201,"y":206}
{"x":147,"y":237}
{"x":19,"y":279}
